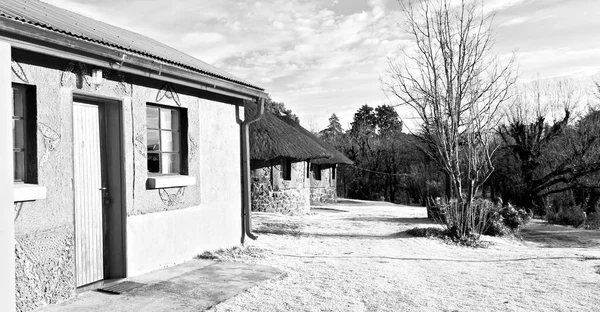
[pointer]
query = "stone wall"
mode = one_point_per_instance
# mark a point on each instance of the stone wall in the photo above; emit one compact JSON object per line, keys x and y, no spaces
{"x":44,"y":229}
{"x":272,"y":194}
{"x":324,"y":190}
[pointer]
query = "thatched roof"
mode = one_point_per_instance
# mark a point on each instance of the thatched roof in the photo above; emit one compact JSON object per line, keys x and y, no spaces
{"x":271,"y":137}
{"x":338,"y":157}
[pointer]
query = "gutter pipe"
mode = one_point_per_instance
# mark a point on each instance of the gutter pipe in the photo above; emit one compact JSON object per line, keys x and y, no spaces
{"x":246,"y":199}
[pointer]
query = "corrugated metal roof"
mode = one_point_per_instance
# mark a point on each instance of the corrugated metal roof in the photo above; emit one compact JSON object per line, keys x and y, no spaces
{"x":63,"y":21}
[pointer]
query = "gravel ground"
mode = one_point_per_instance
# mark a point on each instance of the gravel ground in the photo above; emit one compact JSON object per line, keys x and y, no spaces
{"x":356,"y":256}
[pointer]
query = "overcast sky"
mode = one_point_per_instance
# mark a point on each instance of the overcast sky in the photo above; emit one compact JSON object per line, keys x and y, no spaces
{"x":326,"y":56}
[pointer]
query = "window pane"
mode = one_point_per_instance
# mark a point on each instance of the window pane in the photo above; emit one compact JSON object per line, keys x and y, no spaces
{"x":170,"y":163}
{"x":18,"y":134}
{"x":19,"y":166}
{"x":153,"y":162}
{"x":18,"y":108}
{"x":152,"y":117}
{"x":170,"y":141}
{"x":153,"y":142}
{"x":169,"y":119}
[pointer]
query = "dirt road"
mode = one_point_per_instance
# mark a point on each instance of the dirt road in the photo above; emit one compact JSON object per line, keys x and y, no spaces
{"x":356,"y":256}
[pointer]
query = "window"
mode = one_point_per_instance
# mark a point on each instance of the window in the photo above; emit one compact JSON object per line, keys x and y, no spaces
{"x":165,"y":139}
{"x":333,"y":172}
{"x":316,"y":171}
{"x":286,"y":169}
{"x":24,"y":134}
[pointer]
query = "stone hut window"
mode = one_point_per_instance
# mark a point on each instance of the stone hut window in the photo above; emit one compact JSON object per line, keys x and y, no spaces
{"x":166,"y":133}
{"x":333,"y":172}
{"x":316,"y":169}
{"x":286,"y":169}
{"x":24,"y":134}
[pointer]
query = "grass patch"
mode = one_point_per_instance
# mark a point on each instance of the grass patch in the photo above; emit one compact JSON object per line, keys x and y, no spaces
{"x":234,"y":254}
{"x":279,"y":228}
{"x":444,"y":235}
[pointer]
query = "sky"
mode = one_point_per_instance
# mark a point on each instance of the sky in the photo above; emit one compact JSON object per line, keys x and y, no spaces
{"x":327,"y":56}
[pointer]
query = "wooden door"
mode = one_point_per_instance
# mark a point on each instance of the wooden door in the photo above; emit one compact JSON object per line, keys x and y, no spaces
{"x":89,"y":182}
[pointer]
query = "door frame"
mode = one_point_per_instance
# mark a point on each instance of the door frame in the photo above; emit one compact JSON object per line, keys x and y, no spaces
{"x":112,"y":120}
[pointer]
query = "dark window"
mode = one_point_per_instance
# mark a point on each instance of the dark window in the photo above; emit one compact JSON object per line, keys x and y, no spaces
{"x":286,"y":169}
{"x":333,"y":173}
{"x":24,"y":134}
{"x":316,"y":171}
{"x":165,"y":139}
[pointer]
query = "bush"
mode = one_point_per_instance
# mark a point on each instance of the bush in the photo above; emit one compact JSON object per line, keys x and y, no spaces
{"x":573,"y":215}
{"x":482,"y":217}
{"x":506,"y":220}
{"x":427,"y":232}
{"x":448,"y":238}
{"x":466,"y":222}
{"x":593,"y":221}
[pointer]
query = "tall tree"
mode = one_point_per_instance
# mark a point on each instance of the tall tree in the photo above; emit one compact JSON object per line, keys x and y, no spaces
{"x":387,"y":120}
{"x":455,"y":84}
{"x":279,"y":109}
{"x":333,"y":130}
{"x":364,"y":120}
{"x":551,"y":157}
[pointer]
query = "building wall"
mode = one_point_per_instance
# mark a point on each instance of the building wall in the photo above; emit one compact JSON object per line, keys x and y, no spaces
{"x":272,"y":194}
{"x":164,"y":226}
{"x":324,"y":190}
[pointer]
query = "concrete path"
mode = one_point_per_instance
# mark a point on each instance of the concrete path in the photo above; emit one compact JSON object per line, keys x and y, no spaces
{"x":192,"y":286}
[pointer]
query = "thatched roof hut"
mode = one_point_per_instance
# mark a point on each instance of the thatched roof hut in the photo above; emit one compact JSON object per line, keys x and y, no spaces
{"x":271,"y":137}
{"x":338,"y":157}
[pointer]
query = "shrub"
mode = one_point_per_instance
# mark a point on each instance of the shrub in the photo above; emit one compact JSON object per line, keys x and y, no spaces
{"x":447,"y":237}
{"x":466,"y":221}
{"x":426,"y":232}
{"x":506,"y":220}
{"x":593,"y":221}
{"x":573,"y":215}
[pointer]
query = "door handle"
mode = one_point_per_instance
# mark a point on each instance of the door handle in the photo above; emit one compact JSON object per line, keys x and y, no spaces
{"x":103,"y":188}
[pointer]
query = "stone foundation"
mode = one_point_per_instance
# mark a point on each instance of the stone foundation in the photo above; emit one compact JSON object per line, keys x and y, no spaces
{"x":272,"y":194}
{"x":324,"y":190}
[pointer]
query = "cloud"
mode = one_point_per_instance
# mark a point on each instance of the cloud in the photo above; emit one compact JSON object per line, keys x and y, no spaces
{"x":514,"y":21}
{"x":323,"y":56}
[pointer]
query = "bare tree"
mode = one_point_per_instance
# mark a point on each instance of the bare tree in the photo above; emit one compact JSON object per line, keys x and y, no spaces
{"x":456,"y":85}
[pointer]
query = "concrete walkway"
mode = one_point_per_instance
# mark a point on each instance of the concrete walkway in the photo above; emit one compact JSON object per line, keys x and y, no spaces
{"x":192,"y":286}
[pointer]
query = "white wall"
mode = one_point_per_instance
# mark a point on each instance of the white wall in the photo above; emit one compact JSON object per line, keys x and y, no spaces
{"x":7,"y":231}
{"x":165,"y":238}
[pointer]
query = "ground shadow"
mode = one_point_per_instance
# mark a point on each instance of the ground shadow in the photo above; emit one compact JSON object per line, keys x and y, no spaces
{"x":326,"y":210}
{"x":393,"y":220}
{"x":363,"y":203}
{"x":572,"y":238}
{"x":580,"y":258}
{"x":559,"y":236}
{"x":297,"y":230}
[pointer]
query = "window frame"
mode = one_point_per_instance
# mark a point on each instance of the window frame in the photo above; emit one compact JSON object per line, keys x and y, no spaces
{"x":28,"y":120}
{"x":182,"y":130}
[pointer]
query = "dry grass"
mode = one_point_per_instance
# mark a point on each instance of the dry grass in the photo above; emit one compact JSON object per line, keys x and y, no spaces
{"x":363,"y":260}
{"x":235,"y":254}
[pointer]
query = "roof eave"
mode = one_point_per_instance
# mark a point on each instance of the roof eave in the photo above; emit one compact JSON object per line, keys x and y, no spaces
{"x":32,"y":38}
